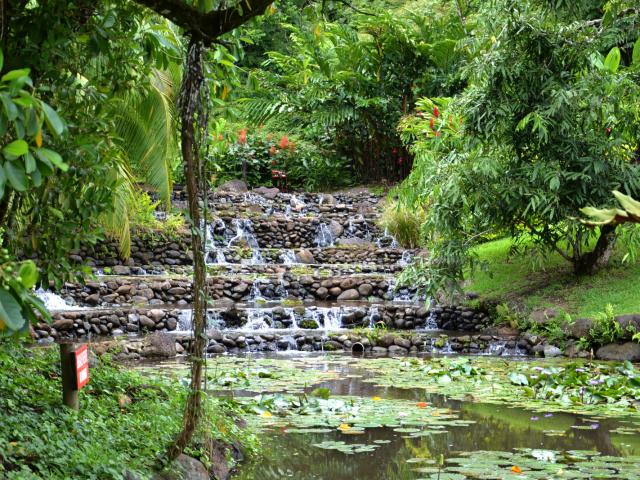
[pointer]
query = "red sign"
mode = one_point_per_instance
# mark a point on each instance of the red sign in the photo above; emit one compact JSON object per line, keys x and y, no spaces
{"x":82,"y":366}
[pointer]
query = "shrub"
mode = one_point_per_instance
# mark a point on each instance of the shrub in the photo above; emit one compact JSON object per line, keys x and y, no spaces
{"x":404,"y":223}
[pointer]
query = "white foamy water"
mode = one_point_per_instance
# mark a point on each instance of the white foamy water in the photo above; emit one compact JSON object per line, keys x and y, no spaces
{"x":53,"y":301}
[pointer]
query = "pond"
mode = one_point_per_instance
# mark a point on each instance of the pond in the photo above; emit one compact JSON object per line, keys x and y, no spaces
{"x":332,"y":417}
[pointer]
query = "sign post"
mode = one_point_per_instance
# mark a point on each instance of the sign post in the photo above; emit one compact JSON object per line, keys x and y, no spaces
{"x":74,"y":362}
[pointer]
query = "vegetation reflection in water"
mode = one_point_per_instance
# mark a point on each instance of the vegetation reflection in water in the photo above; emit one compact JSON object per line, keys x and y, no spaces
{"x":334,"y":417}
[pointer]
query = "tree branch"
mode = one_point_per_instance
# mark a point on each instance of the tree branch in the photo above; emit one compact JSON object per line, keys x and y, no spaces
{"x":206,"y":26}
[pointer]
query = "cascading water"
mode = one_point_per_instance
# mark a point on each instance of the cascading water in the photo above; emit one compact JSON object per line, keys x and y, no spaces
{"x":213,"y":252}
{"x":257,"y":320}
{"x":441,"y":346}
{"x":387,"y":240}
{"x":185,"y":320}
{"x":406,"y":259}
{"x":431,"y":323}
{"x":324,"y":237}
{"x":53,"y":301}
{"x":374,"y":316}
{"x":255,"y":295}
{"x":244,"y":232}
{"x":400,"y":294}
{"x":294,"y":322}
{"x":288,"y":257}
{"x":281,"y":290}
{"x":328,"y":318}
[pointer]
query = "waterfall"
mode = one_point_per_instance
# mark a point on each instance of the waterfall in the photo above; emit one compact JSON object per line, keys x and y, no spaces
{"x":255,"y":295}
{"x":387,"y":240}
{"x":281,"y":290}
{"x":213,"y":252}
{"x":324,"y":238}
{"x":444,"y":349}
{"x":185,"y":320}
{"x":291,"y":342}
{"x":401,"y":295}
{"x":406,"y":259}
{"x":328,"y":318}
{"x":431,"y":323}
{"x":374,"y":316}
{"x":53,"y":301}
{"x":288,"y":257}
{"x":294,"y":322}
{"x":244,"y":231}
{"x":256,"y":320}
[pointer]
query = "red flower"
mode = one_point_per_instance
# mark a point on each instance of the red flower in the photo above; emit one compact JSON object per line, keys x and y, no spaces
{"x":284,"y":141}
{"x":272,"y":150}
{"x":400,"y":159}
{"x":437,"y":133}
{"x":394,"y":151}
{"x":431,"y":123}
{"x":436,"y":112}
{"x":608,"y":130}
{"x":242,"y":137}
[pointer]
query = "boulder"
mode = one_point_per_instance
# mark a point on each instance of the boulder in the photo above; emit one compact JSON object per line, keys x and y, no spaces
{"x":351,"y":294}
{"x":629,"y":322}
{"x":185,"y":468}
{"x":336,"y":229}
{"x":159,"y":345}
{"x":326,"y":199}
{"x":305,"y":256}
{"x":233,"y":186}
{"x":551,"y":351}
{"x":620,"y":352}
{"x":266,"y":192}
{"x":365,"y":289}
{"x":580,"y":328}
{"x":63,"y":324}
{"x":121,"y":270}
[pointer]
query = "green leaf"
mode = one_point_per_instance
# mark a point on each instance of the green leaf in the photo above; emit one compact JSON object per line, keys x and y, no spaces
{"x":629,"y":204}
{"x":53,"y":157}
{"x":635,"y":57}
{"x":518,"y":378}
{"x":16,"y":175}
{"x":14,"y":74}
{"x":10,"y":314}
{"x":53,"y":120}
{"x":28,"y":273}
{"x":29,"y":163}
{"x":612,"y":62}
{"x":1,"y":60}
{"x":16,"y":148}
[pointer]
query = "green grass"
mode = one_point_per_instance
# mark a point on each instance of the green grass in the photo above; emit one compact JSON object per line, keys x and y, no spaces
{"x":513,"y":278}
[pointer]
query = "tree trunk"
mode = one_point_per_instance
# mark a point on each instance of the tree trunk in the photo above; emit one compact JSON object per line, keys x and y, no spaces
{"x":190,"y":104}
{"x":590,"y":262}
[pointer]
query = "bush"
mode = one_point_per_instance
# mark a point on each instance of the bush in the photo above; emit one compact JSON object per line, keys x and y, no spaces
{"x":126,"y":419}
{"x":307,"y":166}
{"x":404,"y":223}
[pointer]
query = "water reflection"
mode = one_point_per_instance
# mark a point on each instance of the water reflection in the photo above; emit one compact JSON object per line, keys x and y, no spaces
{"x":496,"y":427}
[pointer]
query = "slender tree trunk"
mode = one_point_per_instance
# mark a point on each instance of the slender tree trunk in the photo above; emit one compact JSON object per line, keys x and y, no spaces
{"x":190,"y":105}
{"x":589,"y":262}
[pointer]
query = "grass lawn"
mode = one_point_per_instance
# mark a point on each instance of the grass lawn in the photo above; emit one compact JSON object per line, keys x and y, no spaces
{"x":513,"y":278}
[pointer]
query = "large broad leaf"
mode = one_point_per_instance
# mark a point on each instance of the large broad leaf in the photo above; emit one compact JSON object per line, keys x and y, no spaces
{"x":629,"y":204}
{"x":53,"y":120}
{"x":10,"y":314}
{"x":52,"y":157}
{"x":16,"y":148}
{"x":16,"y":175}
{"x":14,"y":74}
{"x":612,"y":62}
{"x":28,"y":273}
{"x":636,"y":53}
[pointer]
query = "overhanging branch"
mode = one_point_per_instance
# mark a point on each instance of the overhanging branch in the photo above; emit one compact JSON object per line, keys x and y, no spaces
{"x":207,"y":26}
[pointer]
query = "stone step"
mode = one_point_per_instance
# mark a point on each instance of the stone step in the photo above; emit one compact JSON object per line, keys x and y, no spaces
{"x":322,"y":316}
{"x":322,"y":269}
{"x":161,"y":290}
{"x":160,"y":251}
